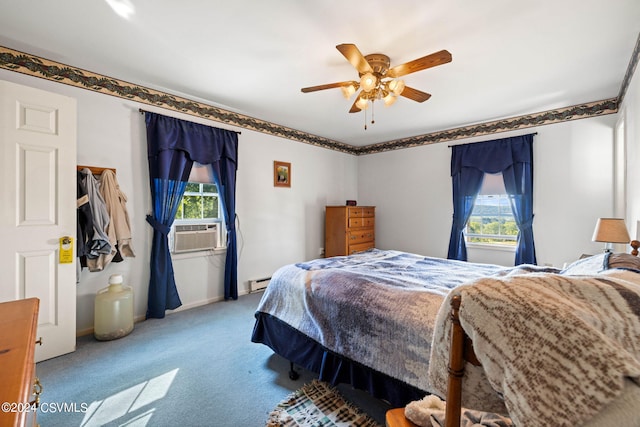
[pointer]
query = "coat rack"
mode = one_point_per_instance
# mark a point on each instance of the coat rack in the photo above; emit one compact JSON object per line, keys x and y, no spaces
{"x":96,"y":170}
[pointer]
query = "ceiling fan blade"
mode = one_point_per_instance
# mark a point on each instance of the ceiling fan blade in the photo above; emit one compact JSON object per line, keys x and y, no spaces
{"x":415,"y":94}
{"x":420,"y":64}
{"x":355,"y":57}
{"x":354,"y":107}
{"x":328,"y":86}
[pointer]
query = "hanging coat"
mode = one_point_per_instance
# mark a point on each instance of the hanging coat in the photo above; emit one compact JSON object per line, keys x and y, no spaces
{"x":102,"y":248}
{"x":84,"y":218}
{"x":115,"y":201}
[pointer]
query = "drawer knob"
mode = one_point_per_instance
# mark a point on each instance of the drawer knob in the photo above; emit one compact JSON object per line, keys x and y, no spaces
{"x":39,"y":342}
{"x":37,"y":390}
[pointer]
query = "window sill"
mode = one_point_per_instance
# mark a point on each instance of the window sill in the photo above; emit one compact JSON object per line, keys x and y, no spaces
{"x":485,"y":246}
{"x":199,"y":254}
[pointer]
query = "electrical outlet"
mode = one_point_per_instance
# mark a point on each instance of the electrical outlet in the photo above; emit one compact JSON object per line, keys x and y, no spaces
{"x":321,"y":251}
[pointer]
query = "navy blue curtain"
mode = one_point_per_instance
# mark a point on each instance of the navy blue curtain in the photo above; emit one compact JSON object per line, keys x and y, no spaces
{"x":172,"y":147}
{"x":163,"y":295}
{"x":513,"y":157}
{"x":466,"y":186}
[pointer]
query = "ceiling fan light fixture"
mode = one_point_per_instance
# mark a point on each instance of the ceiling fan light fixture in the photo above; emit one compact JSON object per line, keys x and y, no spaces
{"x":396,"y":86}
{"x":348,"y":90}
{"x":389,"y":99}
{"x":368,"y":82}
{"x":362,"y":103}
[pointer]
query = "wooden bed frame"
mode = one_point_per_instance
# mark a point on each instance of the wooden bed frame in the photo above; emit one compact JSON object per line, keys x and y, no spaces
{"x":461,"y":353}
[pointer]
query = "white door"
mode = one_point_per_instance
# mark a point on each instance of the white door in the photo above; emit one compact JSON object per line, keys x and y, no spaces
{"x":37,"y":208}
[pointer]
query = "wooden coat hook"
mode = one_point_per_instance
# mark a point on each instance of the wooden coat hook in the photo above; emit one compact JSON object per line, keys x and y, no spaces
{"x":96,"y":170}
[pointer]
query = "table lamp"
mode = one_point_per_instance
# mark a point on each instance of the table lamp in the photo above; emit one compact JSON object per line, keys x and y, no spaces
{"x":610,"y":230}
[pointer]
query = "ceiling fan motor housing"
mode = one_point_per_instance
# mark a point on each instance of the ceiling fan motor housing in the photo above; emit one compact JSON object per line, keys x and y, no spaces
{"x":379,"y":62}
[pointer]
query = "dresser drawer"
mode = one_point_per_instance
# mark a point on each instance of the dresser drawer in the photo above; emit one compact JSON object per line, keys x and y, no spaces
{"x":356,"y":222}
{"x":362,"y":222}
{"x":361,"y":247}
{"x":361,"y":212}
{"x":360,"y":236}
{"x":368,"y":212}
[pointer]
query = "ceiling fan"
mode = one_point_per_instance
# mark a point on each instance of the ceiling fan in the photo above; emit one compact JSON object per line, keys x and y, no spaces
{"x":377,"y":80}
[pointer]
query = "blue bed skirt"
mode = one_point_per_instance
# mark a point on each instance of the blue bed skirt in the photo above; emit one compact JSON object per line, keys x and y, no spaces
{"x":303,"y":351}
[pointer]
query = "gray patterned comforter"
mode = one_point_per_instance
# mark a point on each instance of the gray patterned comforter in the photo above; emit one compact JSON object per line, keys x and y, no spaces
{"x":376,"y":307}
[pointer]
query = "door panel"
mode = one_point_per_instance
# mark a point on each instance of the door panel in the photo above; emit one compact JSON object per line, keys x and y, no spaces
{"x":36,"y":186}
{"x":37,"y":195}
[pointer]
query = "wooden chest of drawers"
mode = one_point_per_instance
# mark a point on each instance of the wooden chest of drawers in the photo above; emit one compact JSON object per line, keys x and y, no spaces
{"x":349,"y":229}
{"x":18,"y":390}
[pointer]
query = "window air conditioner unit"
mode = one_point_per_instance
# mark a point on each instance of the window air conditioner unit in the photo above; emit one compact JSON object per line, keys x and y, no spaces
{"x":195,"y":237}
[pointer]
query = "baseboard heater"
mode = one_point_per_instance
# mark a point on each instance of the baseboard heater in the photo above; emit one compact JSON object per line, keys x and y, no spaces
{"x":258,"y":284}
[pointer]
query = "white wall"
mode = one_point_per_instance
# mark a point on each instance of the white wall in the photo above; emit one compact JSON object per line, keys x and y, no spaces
{"x":276,"y":225}
{"x":630,"y":110}
{"x":573,"y":181}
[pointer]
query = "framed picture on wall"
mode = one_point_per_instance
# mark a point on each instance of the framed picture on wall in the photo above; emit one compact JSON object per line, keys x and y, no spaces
{"x":281,"y":174}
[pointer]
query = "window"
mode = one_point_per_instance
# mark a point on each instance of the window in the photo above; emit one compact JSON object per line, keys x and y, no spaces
{"x":491,"y":221}
{"x":200,"y":202}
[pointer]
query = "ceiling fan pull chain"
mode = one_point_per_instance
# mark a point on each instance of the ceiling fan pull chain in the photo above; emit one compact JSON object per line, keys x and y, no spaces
{"x":365,"y":118}
{"x":373,"y":112}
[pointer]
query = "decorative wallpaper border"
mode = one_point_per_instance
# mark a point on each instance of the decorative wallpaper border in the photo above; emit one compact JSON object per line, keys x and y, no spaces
{"x":32,"y":65}
{"x":50,"y":70}
{"x":608,"y":106}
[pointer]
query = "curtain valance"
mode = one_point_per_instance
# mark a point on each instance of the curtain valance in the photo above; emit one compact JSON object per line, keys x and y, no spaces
{"x":204,"y":144}
{"x":492,"y":156}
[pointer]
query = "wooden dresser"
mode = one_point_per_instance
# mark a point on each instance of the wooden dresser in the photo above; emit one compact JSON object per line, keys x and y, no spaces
{"x":19,"y":389}
{"x":349,"y":229}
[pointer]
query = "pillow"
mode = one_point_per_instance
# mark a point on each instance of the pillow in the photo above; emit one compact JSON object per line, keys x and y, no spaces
{"x":623,"y":261}
{"x":605,"y":261}
{"x":587,"y":266}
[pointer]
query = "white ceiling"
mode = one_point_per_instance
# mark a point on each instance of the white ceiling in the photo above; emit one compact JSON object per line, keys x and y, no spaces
{"x":252,"y":57}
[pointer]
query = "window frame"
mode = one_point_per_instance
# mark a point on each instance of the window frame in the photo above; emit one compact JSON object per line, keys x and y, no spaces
{"x":200,"y":193}
{"x":488,"y":191}
{"x":222,"y":229}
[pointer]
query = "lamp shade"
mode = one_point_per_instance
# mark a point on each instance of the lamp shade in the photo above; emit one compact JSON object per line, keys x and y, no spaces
{"x":368,"y":82}
{"x":348,"y":90}
{"x":389,"y":99}
{"x":611,"y":230}
{"x":396,"y":86}
{"x":362,"y":103}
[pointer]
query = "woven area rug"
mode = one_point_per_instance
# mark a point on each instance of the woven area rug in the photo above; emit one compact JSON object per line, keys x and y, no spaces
{"x":317,"y":404}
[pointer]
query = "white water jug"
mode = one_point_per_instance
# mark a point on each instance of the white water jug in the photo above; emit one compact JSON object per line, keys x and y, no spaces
{"x":113,"y":310}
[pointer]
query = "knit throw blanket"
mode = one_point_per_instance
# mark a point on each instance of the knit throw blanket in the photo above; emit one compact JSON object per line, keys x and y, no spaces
{"x":555,"y":349}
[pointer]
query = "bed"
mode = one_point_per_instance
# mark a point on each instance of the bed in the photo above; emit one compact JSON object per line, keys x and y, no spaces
{"x":402,"y":326}
{"x":544,"y":349}
{"x":366,"y":319}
